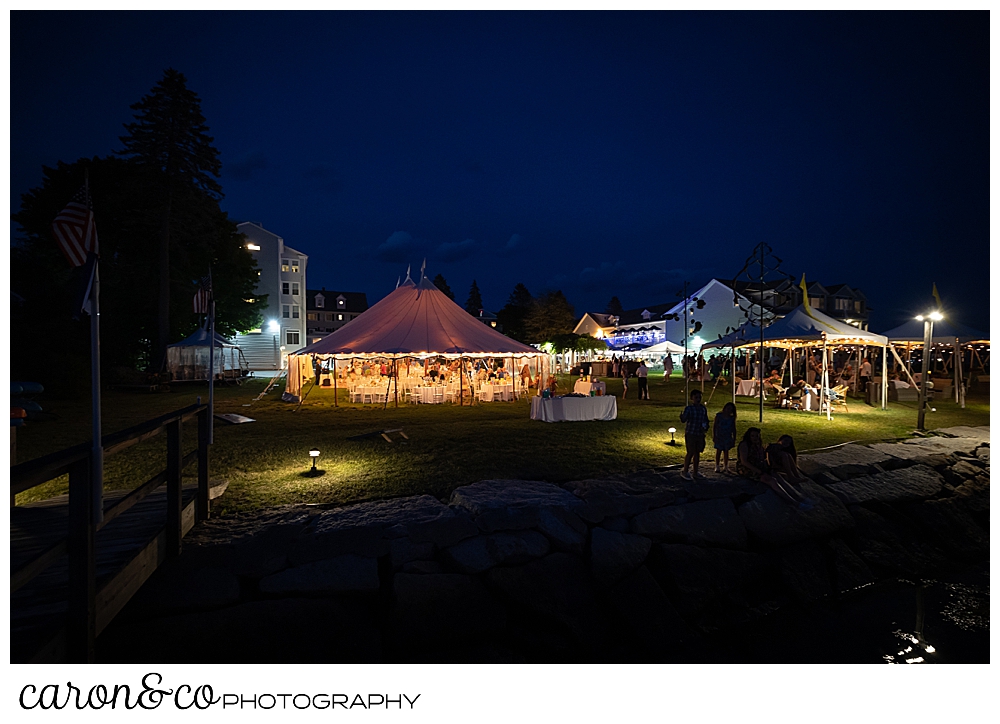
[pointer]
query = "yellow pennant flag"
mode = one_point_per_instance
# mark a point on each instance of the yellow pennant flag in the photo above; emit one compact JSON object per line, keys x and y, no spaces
{"x":937,"y":297}
{"x":805,"y":297}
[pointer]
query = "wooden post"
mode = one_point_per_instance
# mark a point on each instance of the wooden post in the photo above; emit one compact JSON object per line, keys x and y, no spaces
{"x":461,"y":381}
{"x":174,"y":499}
{"x":335,"y":393}
{"x":201,"y":512}
{"x":82,"y":624}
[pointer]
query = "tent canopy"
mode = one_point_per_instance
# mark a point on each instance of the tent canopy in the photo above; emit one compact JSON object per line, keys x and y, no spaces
{"x":800,"y":328}
{"x":189,"y":358}
{"x":665,"y":347}
{"x":747,"y":333}
{"x":945,"y":332}
{"x":200,"y":339}
{"x":417,"y":319}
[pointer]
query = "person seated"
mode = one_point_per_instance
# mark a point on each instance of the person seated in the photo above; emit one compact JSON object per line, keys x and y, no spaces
{"x":752,"y":462}
{"x":796,"y":394}
{"x":781,"y":457}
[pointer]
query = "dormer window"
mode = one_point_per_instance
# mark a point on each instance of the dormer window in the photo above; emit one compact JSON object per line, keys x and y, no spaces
{"x":341,"y":302}
{"x":320,"y":299}
{"x":646,"y":314}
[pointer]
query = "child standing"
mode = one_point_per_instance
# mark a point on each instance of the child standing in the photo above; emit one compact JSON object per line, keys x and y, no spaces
{"x":695,"y":418}
{"x":724,"y":435}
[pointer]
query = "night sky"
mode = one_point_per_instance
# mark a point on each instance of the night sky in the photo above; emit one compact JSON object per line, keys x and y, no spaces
{"x":598,"y":153}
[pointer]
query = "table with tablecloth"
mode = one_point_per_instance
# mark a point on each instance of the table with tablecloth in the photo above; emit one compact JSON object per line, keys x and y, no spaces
{"x":747,"y":388}
{"x":496,"y":392}
{"x":584,"y":388}
{"x":558,"y":409}
{"x":429,"y":394}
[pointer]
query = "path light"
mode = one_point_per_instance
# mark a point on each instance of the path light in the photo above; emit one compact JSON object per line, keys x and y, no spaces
{"x":313,"y":472}
{"x":672,"y":430}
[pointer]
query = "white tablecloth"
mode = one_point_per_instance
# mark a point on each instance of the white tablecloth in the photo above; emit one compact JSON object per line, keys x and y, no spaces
{"x":425,"y":395}
{"x":748,"y":388}
{"x":584,"y":387}
{"x":558,"y":409}
{"x":496,"y":393}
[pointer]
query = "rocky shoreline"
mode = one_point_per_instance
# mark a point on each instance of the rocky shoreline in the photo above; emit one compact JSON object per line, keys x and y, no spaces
{"x":645,"y":567}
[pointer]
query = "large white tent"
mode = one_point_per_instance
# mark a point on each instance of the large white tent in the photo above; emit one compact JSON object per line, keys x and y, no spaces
{"x":416,"y":320}
{"x":188,"y":359}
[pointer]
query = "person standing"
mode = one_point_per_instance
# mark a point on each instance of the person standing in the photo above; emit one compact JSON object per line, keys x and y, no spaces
{"x":724,"y":436}
{"x":866,"y":375}
{"x":641,"y":374}
{"x":695,"y":419}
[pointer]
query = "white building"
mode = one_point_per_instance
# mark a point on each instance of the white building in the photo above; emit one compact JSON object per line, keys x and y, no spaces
{"x":283,"y":280}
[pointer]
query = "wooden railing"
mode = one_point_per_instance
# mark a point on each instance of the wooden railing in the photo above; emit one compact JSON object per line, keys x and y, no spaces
{"x":79,"y":542}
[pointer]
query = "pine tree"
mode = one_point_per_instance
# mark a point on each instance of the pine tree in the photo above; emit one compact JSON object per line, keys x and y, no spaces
{"x":551,"y":316}
{"x":614,"y":307}
{"x":513,"y":315}
{"x":475,"y":301}
{"x":440,"y":283}
{"x":170,"y":139}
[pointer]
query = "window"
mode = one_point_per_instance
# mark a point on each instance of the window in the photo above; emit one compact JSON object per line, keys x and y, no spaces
{"x":295,"y":266}
{"x":285,"y":263}
{"x":816,"y":302}
{"x":340,"y":301}
{"x":284,"y":287}
{"x":295,"y":311}
{"x":329,"y":316}
{"x":319,"y":301}
{"x":284,"y":311}
{"x":312,"y":316}
{"x":842,"y":305}
{"x":340,"y":317}
{"x":291,"y":336}
{"x":295,"y":289}
{"x":857,"y":306}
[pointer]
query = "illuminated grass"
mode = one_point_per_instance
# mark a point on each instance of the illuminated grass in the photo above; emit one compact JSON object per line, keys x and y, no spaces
{"x":448,"y":446}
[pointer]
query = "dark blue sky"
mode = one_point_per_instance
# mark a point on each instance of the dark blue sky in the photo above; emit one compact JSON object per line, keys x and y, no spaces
{"x":600,"y":153}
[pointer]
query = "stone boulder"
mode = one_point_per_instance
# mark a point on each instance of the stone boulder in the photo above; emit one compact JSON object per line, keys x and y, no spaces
{"x":889,"y":546}
{"x":961,"y":471}
{"x":612,"y":498}
{"x":975,"y":495}
{"x":804,"y":571}
{"x":646,"y":612}
{"x":701,"y":578}
{"x":346,"y":573}
{"x":707,"y":522}
{"x":952,"y":525}
{"x":556,"y":590}
{"x":913,"y":483}
{"x":732,"y":488}
{"x":440,"y":610}
{"x":565,"y":531}
{"x":980,"y":434}
{"x":499,"y":505}
{"x":614,"y":555}
{"x":176,"y":588}
{"x":404,"y":550}
{"x":772,"y":520}
{"x":483,"y":552}
{"x":849,"y":571}
{"x":815,"y":463}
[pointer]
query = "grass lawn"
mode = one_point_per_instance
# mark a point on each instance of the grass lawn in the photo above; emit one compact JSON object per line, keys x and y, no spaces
{"x":449,"y":445}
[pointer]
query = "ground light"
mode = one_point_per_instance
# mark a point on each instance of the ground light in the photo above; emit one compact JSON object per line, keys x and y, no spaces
{"x":672,"y":430}
{"x":313,"y":472}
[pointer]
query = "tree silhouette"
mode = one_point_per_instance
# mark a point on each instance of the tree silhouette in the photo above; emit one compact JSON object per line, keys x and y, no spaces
{"x":440,"y":283}
{"x":614,"y":307}
{"x":514,"y":314}
{"x":475,"y":301}
{"x":170,"y":140}
{"x":551,"y":315}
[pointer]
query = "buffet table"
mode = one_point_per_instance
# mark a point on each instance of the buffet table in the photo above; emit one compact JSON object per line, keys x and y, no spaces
{"x":560,"y":409}
{"x":584,"y":388}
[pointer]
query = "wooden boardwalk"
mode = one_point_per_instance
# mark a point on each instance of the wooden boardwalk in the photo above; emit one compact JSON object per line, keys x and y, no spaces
{"x":128,"y":550}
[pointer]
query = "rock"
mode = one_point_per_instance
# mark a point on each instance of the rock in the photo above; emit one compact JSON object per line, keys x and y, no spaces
{"x":975,"y":495}
{"x":557,"y":590}
{"x":423,"y":567}
{"x":404,"y":550}
{"x":707,"y":522}
{"x":928,"y":446}
{"x":175,"y":588}
{"x":889,"y":546}
{"x":814,"y":463}
{"x":960,"y":472}
{"x":266,"y":552}
{"x":444,"y":531}
{"x":646,"y":611}
{"x":698,"y":578}
{"x":617,"y":524}
{"x":912,"y":483}
{"x":983,"y":453}
{"x":953,"y":526}
{"x":564,"y":530}
{"x":804,"y":572}
{"x":271,"y":632}
{"x":850,"y":572}
{"x":613,"y":555}
{"x":772,"y":520}
{"x":498,"y":505}
{"x":481,"y":553}
{"x":346,"y":573}
{"x":313,"y":545}
{"x":979,"y":434}
{"x":441,"y":610}
{"x":846,"y":472}
{"x":723,"y":489}
{"x":620,"y":498}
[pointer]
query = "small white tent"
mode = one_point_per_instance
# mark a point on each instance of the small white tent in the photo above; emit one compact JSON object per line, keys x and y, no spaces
{"x":188,"y":359}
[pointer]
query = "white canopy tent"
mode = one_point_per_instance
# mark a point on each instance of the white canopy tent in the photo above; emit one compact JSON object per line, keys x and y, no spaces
{"x":414,"y":321}
{"x":187,"y":360}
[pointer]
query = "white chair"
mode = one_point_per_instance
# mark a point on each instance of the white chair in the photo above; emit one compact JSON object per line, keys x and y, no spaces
{"x":438,"y":395}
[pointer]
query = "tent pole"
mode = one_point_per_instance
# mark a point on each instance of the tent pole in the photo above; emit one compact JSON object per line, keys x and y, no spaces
{"x":885,"y":379}
{"x":954,"y":359}
{"x":461,"y":381}
{"x":822,"y":378}
{"x":395,"y":383}
{"x":335,"y":382}
{"x":732,"y":361}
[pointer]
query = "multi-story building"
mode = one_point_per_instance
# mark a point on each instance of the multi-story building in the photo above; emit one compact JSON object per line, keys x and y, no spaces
{"x":282,"y":272}
{"x":327,"y":312}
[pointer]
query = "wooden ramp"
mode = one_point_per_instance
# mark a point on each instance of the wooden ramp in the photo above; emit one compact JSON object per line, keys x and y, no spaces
{"x":128,"y":550}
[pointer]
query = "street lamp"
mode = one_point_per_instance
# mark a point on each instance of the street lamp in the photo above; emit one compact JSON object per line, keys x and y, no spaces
{"x":672,"y":430}
{"x":928,"y":320}
{"x":313,"y":472}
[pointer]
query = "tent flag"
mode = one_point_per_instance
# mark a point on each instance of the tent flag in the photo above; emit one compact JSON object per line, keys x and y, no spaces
{"x":805,"y":297}
{"x":934,"y":293}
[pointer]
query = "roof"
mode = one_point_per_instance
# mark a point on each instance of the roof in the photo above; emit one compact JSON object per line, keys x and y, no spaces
{"x":200,"y":339}
{"x":801,"y":327}
{"x":944,"y":332}
{"x":353,"y":301}
{"x":417,"y":319}
{"x":634,"y":316}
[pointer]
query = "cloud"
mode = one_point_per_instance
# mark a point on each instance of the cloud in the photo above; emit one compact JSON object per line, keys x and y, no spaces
{"x":246,"y":165}
{"x":321,"y":176}
{"x":456,"y":250}
{"x":399,"y":247}
{"x":514,"y":243}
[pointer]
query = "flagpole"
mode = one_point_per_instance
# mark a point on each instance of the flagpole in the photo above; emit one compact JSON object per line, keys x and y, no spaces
{"x":211,"y":361}
{"x":97,"y":448}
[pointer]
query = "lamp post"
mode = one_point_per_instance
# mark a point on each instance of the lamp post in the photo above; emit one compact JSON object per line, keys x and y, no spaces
{"x":672,"y":430}
{"x":928,"y":320}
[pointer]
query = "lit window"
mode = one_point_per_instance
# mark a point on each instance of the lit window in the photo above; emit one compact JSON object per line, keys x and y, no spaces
{"x":284,"y":264}
{"x":295,"y":311}
{"x":842,"y":305}
{"x":816,"y":302}
{"x":319,"y":301}
{"x":329,"y":316}
{"x":285,"y":311}
{"x":284,"y":287}
{"x":340,"y":302}
{"x":291,"y":336}
{"x":295,"y":266}
{"x":253,"y":247}
{"x":312,"y":316}
{"x":295,"y":289}
{"x":340,"y":317}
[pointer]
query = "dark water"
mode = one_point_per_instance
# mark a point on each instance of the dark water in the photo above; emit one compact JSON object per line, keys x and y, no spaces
{"x":920,"y":621}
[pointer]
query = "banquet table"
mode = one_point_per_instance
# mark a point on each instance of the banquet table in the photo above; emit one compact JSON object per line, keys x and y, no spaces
{"x":492,"y":393}
{"x":375,"y":392}
{"x":584,"y":387}
{"x":747,"y":388}
{"x":426,"y":394}
{"x":560,"y":409}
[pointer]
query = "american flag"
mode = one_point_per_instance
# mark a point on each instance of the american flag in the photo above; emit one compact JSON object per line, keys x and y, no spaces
{"x":201,"y":297}
{"x":74,"y":229}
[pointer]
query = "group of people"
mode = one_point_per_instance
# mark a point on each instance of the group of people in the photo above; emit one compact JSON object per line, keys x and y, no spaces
{"x":775,"y":465}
